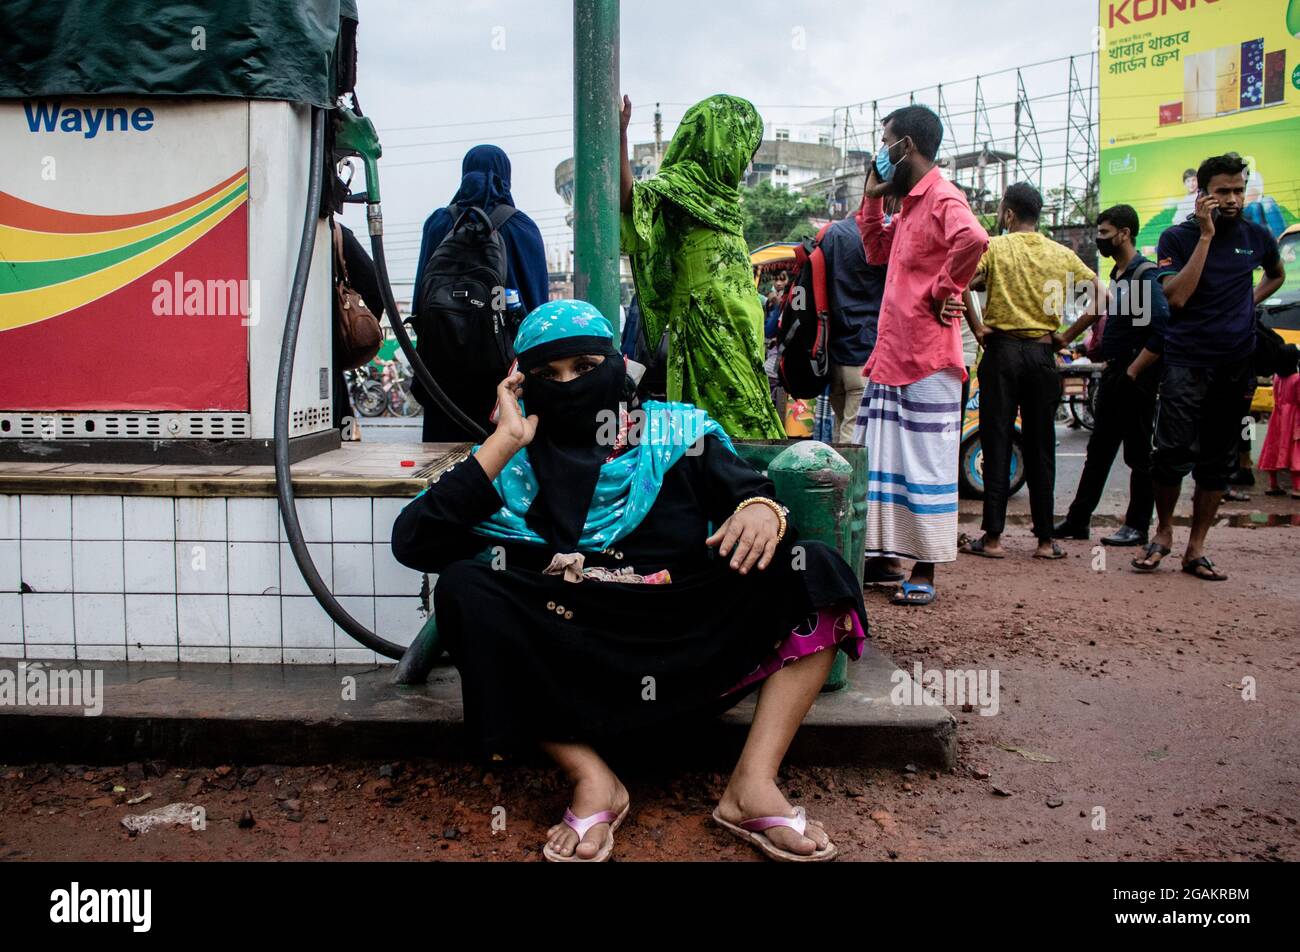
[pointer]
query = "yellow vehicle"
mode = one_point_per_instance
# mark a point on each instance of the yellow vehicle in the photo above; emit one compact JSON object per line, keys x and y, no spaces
{"x":1282,"y":311}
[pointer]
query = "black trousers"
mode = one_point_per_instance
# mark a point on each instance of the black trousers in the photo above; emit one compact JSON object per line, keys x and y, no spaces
{"x":1199,"y":423}
{"x":1124,"y":417}
{"x":1018,"y":375}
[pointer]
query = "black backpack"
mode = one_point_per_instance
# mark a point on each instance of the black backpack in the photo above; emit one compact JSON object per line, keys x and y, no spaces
{"x":803,"y":332}
{"x":466,"y":342}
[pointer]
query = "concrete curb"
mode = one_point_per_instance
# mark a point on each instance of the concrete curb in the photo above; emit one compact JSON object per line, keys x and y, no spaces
{"x":210,"y":714}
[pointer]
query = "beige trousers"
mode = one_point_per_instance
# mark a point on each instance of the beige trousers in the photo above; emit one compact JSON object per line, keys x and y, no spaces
{"x":847,"y":387}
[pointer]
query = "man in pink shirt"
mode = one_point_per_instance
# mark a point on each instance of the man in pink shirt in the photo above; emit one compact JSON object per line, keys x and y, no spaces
{"x":910,"y":419}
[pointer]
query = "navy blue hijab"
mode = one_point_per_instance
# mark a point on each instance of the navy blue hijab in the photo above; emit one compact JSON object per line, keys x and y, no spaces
{"x":485,"y":182}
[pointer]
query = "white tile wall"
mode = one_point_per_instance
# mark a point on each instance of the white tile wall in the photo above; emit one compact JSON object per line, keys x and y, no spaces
{"x":47,"y":565}
{"x":363,"y":610}
{"x":254,"y":568}
{"x":202,"y":520}
{"x":253,"y":520}
{"x":11,"y":619}
{"x":10,"y":572}
{"x":43,"y":652}
{"x":151,"y":621}
{"x":305,"y":624}
{"x":314,"y":518}
{"x":398,"y":619}
{"x":150,"y":566}
{"x":391,"y":577}
{"x":351,"y":518}
{"x":255,"y":621}
{"x":385,"y":514}
{"x":47,"y":619}
{"x":203,"y":621}
{"x":256,"y":655}
{"x":97,"y":517}
{"x":46,"y":517}
{"x":309,"y":656}
{"x":101,"y":652}
{"x":115,"y":577}
{"x":9,"y":519}
{"x":97,"y":566}
{"x":205,"y":655}
{"x":149,"y":518}
{"x":354,"y":569}
{"x":201,"y":568}
{"x":291,"y":580}
{"x":100,"y":620}
{"x":150,"y":653}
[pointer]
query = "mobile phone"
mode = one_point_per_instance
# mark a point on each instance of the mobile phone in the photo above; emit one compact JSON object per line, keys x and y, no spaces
{"x":1214,"y":212}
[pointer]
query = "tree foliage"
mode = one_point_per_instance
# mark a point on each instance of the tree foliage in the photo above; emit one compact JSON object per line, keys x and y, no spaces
{"x":775,"y":214}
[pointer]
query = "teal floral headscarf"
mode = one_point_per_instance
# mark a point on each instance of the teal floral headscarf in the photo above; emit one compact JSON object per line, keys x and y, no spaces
{"x":627,"y":485}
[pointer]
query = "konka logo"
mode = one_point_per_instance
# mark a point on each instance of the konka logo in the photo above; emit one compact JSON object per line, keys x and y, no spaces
{"x":1128,"y":12}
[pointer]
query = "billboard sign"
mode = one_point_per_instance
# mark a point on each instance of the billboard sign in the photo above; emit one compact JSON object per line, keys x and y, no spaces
{"x":1182,"y":80}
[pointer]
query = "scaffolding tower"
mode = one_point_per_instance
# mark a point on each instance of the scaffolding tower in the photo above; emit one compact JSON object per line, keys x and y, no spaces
{"x":1034,"y":123}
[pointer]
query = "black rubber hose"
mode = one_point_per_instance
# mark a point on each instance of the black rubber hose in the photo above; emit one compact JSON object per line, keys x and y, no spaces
{"x":284,"y":381}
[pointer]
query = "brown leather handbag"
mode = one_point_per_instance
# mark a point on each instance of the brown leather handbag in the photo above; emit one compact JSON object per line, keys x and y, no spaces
{"x":359,"y":334}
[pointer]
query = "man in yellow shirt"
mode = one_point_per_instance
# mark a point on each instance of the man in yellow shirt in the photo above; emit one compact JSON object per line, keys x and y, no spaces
{"x":1028,"y":277}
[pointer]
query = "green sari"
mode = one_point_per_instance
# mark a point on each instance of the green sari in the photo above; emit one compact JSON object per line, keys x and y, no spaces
{"x":691,"y":267}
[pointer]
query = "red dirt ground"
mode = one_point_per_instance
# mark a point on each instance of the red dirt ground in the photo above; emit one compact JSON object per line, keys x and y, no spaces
{"x":1131,"y":684}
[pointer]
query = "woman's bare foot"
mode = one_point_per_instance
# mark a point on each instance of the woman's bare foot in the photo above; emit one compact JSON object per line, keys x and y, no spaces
{"x":596,"y":790}
{"x":745,"y":799}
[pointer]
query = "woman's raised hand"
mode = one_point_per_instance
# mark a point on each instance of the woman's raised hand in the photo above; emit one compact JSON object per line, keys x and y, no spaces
{"x":512,"y":424}
{"x":625,"y":115}
{"x":514,"y":430}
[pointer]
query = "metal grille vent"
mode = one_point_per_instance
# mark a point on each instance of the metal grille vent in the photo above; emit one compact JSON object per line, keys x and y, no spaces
{"x":149,"y":426}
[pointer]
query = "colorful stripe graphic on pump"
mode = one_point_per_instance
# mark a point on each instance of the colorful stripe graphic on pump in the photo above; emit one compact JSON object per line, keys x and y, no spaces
{"x":52,"y":261}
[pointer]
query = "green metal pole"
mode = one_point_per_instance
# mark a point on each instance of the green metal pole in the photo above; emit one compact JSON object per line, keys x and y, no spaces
{"x":596,"y":159}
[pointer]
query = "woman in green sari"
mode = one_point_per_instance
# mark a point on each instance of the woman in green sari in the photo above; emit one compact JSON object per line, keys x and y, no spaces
{"x":683,"y":230}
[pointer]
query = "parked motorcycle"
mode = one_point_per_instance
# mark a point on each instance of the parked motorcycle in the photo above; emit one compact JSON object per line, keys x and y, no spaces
{"x":366,"y":388}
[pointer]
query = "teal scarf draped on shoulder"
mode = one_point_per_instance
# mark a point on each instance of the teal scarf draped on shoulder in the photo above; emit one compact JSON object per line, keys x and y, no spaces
{"x":626,"y":488}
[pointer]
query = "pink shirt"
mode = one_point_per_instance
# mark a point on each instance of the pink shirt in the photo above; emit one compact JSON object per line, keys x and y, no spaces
{"x":932,"y":246}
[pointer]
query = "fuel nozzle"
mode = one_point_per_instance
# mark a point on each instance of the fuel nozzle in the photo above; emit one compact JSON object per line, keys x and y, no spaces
{"x":355,"y":135}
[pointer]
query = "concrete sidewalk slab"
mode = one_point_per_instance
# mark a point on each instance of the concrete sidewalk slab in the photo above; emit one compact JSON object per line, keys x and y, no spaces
{"x":292,"y":714}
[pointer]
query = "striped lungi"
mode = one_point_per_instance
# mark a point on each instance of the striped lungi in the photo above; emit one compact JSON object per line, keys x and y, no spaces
{"x":911,"y":434}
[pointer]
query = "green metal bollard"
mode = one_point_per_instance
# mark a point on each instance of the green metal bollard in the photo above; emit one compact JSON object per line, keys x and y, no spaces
{"x":818,"y":484}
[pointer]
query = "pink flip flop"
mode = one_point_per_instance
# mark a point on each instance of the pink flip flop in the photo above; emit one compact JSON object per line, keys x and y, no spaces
{"x":751,"y":832}
{"x":581,"y":825}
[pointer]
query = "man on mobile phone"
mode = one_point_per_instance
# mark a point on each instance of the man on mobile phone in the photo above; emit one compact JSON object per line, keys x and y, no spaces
{"x":1207,"y":267}
{"x":910,"y":419}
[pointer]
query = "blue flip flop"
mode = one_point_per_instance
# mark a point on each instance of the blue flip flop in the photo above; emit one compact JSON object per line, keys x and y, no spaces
{"x":904,"y":595}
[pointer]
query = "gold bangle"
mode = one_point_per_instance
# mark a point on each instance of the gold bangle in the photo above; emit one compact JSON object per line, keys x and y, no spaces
{"x":780,"y":510}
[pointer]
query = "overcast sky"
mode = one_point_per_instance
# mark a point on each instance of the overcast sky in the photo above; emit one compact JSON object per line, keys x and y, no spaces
{"x":429,"y":68}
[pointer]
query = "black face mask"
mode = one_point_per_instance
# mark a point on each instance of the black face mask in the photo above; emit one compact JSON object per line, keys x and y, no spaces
{"x":1106,"y":247}
{"x":566,"y":452}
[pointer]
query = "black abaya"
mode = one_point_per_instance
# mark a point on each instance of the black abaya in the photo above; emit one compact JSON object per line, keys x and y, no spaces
{"x":545,"y":659}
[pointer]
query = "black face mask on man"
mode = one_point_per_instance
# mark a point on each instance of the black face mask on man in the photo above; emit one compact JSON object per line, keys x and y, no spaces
{"x":1106,"y":246}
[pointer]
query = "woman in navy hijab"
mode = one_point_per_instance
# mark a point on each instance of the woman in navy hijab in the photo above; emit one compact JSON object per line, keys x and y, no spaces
{"x":485,"y":182}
